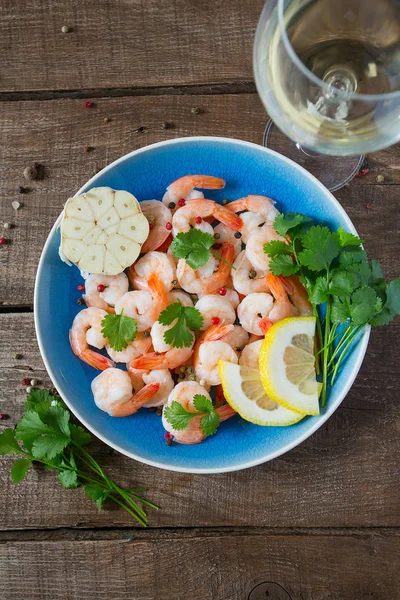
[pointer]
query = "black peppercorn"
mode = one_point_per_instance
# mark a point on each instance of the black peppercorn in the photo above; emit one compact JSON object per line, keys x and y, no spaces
{"x":238,"y":235}
{"x":171,"y":205}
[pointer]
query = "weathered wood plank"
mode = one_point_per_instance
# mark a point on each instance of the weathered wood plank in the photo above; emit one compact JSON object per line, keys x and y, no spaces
{"x":125,"y":44}
{"x":343,"y":476}
{"x":220,"y":567}
{"x":55,"y":132}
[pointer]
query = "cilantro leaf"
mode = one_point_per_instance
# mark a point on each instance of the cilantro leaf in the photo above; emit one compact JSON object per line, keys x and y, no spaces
{"x":8,"y":443}
{"x":96,"y":493}
{"x":45,"y":440}
{"x":320,"y":291}
{"x":185,"y":319}
{"x":48,"y":446}
{"x":194,"y":246}
{"x":58,"y":419}
{"x":286,"y":222}
{"x":382,"y":318}
{"x":178,"y":416}
{"x":80,"y":436}
{"x":340,"y":311}
{"x":348,"y":239}
{"x":393,"y":296}
{"x":210,"y":423}
{"x":364,"y":305}
{"x":202,"y":404}
{"x":276,"y":247}
{"x":68,"y":478}
{"x":362,"y":271}
{"x":30,"y":427}
{"x":320,"y":248}
{"x":342,"y":282}
{"x":283,"y":265}
{"x":376,"y":270}
{"x":351,"y":256}
{"x":19,"y":469}
{"x":36,"y":397}
{"x":119,"y":329}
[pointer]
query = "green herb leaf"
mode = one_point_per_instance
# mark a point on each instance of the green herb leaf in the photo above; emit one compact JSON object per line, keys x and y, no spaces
{"x":36,"y":397}
{"x":276,"y":247}
{"x":80,"y":436}
{"x":348,"y":239}
{"x":202,"y":403}
{"x":178,"y":416}
{"x":343,"y":282}
{"x":210,"y":423}
{"x":283,"y":265}
{"x":351,"y":256}
{"x":376,"y":270}
{"x":382,"y":318}
{"x":68,"y":479}
{"x":48,"y":446}
{"x":393,"y":296}
{"x":321,"y":247}
{"x":364,"y":305}
{"x":185,"y":319}
{"x":340,"y":311}
{"x":320,"y":291}
{"x":8,"y":443}
{"x":289,"y":221}
{"x":119,"y":329}
{"x":19,"y":469}
{"x":194,"y":246}
{"x":96,"y":493}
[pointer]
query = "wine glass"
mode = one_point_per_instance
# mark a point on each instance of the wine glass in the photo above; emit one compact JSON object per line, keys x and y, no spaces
{"x":328,"y":73}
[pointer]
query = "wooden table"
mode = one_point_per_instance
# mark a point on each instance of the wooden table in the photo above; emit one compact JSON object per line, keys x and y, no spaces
{"x":320,"y":522}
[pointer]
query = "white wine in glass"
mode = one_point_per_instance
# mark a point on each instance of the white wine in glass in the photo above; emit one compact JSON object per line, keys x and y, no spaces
{"x":328,"y":72}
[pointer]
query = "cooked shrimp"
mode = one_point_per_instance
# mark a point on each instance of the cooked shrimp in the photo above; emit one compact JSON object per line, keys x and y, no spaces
{"x":163,"y":377}
{"x":237,"y":339}
{"x":298,"y":294}
{"x":251,"y":222}
{"x":252,"y":309}
{"x":158,"y":215}
{"x":112,"y":392}
{"x":165,"y":355}
{"x":282,"y":307}
{"x":184,"y":187}
{"x":246,"y":280}
{"x":183,"y":297}
{"x":114,"y":287}
{"x":255,"y":246}
{"x":260,"y":205}
{"x":232,"y":296}
{"x":205,"y":227}
{"x":223,"y":233}
{"x":184,"y":393}
{"x":140,"y":345}
{"x":208,"y":350}
{"x":208,"y":268}
{"x":212,"y":306}
{"x":185,"y":217}
{"x":191,"y":281}
{"x":144,"y":306}
{"x":158,"y":263}
{"x":250,"y":354}
{"x":86,"y":329}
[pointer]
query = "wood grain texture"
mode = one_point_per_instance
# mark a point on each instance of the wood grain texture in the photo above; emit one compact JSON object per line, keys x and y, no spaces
{"x":54,"y":133}
{"x":125,"y":43}
{"x":220,"y":567}
{"x":345,"y":475}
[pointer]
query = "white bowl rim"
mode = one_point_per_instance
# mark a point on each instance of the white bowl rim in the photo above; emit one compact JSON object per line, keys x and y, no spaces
{"x":362,"y":343}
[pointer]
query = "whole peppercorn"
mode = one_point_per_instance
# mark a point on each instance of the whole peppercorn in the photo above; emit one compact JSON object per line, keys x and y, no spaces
{"x":7,"y":225}
{"x":29,"y":389}
{"x":25,"y":381}
{"x":17,"y":356}
{"x":252,"y":274}
{"x":181,"y":202}
{"x":195,"y":110}
{"x":166,"y":125}
{"x":238,"y":235}
{"x":30,"y":173}
{"x":64,"y":29}
{"x":222,"y":291}
{"x":217,"y":236}
{"x":171,"y":205}
{"x":192,"y":377}
{"x":3,"y":416}
{"x":100,"y":288}
{"x":88,"y":104}
{"x":81,"y":287}
{"x":106,"y":120}
{"x":33,"y":382}
{"x":198,"y":220}
{"x":22,"y":190}
{"x":168,"y":226}
{"x":215,"y":320}
{"x":80,"y":301}
{"x":146,"y":334}
{"x":2,"y":241}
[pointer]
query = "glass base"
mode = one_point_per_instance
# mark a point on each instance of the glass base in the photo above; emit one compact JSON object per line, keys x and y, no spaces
{"x":333,"y":171}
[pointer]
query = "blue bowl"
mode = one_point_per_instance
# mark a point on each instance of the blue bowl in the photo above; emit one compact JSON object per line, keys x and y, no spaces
{"x":247,"y":168}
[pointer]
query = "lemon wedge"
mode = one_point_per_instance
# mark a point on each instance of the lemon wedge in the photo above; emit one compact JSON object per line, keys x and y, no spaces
{"x":287,"y":365}
{"x":245,"y":393}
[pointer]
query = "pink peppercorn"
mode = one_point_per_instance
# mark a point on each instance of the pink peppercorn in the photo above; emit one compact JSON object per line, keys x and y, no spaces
{"x":88,"y":104}
{"x":168,"y":226}
{"x":100,"y":287}
{"x":3,"y":416}
{"x":181,"y":202}
{"x":215,"y":320}
{"x":25,"y":381}
{"x":81,"y":287}
{"x":198,"y":220}
{"x":168,"y":435}
{"x":222,"y":291}
{"x":151,"y":226}
{"x":2,"y":241}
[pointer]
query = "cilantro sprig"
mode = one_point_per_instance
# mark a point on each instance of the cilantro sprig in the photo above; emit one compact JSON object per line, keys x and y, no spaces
{"x":337,"y":275}
{"x":195,"y":246}
{"x":185,"y":320}
{"x":119,"y":329}
{"x":179,"y":417}
{"x":46,"y":435}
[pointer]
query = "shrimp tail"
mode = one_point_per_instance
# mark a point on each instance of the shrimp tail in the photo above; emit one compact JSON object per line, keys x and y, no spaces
{"x":216,"y":332}
{"x":265,"y":324}
{"x":107,"y":307}
{"x":138,"y":283}
{"x":228,"y":218}
{"x":237,"y":205}
{"x":157,"y":289}
{"x":225,"y":412}
{"x":149,"y":361}
{"x":207,"y":182}
{"x":96,"y":360}
{"x":137,"y":401}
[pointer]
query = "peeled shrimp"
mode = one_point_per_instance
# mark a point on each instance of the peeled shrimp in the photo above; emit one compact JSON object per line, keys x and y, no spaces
{"x":192,"y":281}
{"x":260,"y":205}
{"x":246,"y":280}
{"x":115,"y":287}
{"x":140,"y":345}
{"x":158,"y":216}
{"x":282,"y":307}
{"x":86,"y":329}
{"x":140,"y":378}
{"x":298,"y":294}
{"x":213,"y":305}
{"x":237,"y":339}
{"x":158,"y":263}
{"x":185,"y":217}
{"x":250,"y":354}
{"x":184,"y":188}
{"x":165,"y":355}
{"x":209,"y":349}
{"x":251,"y":223}
{"x":112,"y":392}
{"x":252,"y":309}
{"x":144,"y":306}
{"x":183,"y":297}
{"x":183,"y":393}
{"x":255,"y":246}
{"x":226,"y":234}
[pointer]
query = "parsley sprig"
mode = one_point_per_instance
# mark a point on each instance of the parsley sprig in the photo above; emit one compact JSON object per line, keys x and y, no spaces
{"x":179,"y":417}
{"x":185,"y":319}
{"x":346,"y":291}
{"x":195,"y":246}
{"x":46,"y":435}
{"x":119,"y":329}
